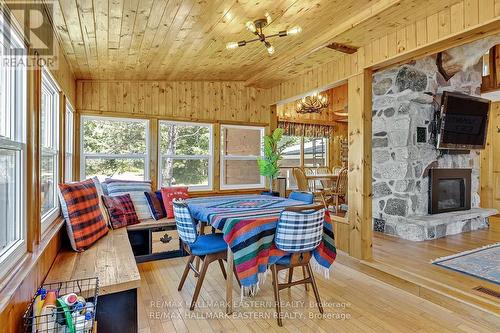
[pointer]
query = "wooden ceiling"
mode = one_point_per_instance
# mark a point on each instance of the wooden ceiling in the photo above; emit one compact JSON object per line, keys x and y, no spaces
{"x":185,"y":39}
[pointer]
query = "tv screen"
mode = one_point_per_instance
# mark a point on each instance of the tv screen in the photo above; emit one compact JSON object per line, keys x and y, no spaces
{"x":464,"y":121}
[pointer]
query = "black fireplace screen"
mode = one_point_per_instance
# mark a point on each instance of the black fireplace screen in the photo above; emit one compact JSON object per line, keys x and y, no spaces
{"x":450,"y":190}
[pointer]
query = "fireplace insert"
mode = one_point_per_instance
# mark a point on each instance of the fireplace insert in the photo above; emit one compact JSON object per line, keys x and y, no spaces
{"x":450,"y":190}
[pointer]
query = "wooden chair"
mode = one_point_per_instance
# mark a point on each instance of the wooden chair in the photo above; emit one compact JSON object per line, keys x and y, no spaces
{"x":311,"y":184}
{"x":208,"y":248}
{"x":299,"y":232}
{"x":338,"y":194}
{"x":336,"y":169}
{"x":325,"y":183}
{"x":300,"y":179}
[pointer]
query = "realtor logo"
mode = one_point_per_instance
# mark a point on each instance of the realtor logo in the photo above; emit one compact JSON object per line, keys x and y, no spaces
{"x":33,"y":18}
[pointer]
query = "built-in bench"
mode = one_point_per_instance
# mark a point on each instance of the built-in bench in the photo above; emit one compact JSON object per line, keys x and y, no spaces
{"x":111,"y":260}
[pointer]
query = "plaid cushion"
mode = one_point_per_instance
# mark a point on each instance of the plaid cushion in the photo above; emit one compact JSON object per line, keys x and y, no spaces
{"x":136,"y":190}
{"x":171,"y":193}
{"x":84,"y":218}
{"x":299,"y":231}
{"x":155,"y":203}
{"x":184,"y":222}
{"x":121,"y":210}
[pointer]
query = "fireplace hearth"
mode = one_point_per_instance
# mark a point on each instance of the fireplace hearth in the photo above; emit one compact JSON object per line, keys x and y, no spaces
{"x":449,"y":190}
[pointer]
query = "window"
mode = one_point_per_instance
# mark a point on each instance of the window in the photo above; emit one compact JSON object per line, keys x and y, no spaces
{"x":302,"y":152}
{"x":186,"y":155}
{"x":49,"y":172}
{"x":114,"y":148}
{"x":240,"y":148}
{"x":12,"y":153}
{"x":68,"y":156}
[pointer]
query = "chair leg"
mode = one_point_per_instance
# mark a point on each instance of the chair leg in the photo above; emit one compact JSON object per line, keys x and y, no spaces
{"x":290,"y":275}
{"x":276,"y":293}
{"x":221,"y":264}
{"x":236,"y":276}
{"x":304,"y":273}
{"x":208,"y":259}
{"x":315,"y":287}
{"x":185,"y":273}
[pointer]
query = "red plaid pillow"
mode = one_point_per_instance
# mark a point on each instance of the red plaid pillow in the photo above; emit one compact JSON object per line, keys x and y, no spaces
{"x":84,"y":214}
{"x":121,"y":210}
{"x":169,"y":194}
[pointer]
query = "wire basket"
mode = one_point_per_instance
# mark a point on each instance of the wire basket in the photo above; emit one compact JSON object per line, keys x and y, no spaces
{"x":54,"y":309}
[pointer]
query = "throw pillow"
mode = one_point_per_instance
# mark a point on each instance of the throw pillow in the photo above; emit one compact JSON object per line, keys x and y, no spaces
{"x":156,"y":206}
{"x":121,"y":210}
{"x":136,"y":190}
{"x":100,"y":193}
{"x":84,"y":221}
{"x":169,"y":194}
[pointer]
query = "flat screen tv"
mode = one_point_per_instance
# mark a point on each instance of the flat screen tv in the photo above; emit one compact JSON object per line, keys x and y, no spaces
{"x":464,"y":121}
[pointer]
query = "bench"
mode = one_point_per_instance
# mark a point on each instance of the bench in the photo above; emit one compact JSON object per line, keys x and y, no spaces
{"x":111,"y":260}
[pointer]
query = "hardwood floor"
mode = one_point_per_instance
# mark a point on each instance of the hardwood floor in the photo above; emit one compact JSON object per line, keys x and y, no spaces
{"x":415,"y":258}
{"x":353,"y":302}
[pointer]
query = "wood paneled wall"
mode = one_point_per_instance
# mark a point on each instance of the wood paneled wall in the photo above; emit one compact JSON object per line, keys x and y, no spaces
{"x":490,"y":162}
{"x":464,"y":21}
{"x":190,"y":100}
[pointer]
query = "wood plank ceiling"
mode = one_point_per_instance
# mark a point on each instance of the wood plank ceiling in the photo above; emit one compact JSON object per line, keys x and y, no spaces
{"x":185,"y":39}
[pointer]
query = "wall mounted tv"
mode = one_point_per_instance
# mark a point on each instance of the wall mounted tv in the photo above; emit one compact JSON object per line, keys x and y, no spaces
{"x":464,"y":121}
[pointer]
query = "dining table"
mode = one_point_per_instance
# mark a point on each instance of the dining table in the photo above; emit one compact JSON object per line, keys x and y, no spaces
{"x":248,"y":224}
{"x":323,"y":176}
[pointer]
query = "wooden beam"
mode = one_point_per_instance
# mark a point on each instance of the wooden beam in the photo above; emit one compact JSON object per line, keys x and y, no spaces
{"x":360,"y":165}
{"x":342,"y":48}
{"x":280,"y":62}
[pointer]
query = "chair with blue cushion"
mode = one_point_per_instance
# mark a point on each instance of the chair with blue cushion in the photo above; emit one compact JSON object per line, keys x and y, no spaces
{"x":299,"y":232}
{"x":208,"y":248}
{"x":307,"y":197}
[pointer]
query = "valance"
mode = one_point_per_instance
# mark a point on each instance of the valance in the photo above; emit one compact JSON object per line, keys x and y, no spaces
{"x":306,"y":130}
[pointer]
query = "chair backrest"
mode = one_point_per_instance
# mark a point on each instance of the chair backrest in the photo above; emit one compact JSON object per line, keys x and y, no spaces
{"x":306,"y":197}
{"x":325,"y":183}
{"x":185,"y":224}
{"x":342,"y":182}
{"x":336,"y":169}
{"x":300,"y":229}
{"x":321,"y":170}
{"x":300,"y":178}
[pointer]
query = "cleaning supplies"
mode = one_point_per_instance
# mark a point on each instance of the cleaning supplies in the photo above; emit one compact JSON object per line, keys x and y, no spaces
{"x":48,"y":315}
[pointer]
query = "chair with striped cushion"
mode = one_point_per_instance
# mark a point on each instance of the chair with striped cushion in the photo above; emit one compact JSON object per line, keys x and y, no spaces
{"x":299,"y":232}
{"x":208,"y":248}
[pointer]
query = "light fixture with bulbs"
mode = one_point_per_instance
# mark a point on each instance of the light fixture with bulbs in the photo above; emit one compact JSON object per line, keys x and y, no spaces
{"x":314,"y":103}
{"x":256,"y":28}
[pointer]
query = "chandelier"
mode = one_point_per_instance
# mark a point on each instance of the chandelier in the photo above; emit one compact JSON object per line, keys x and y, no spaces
{"x":256,"y":27}
{"x":312,"y":104}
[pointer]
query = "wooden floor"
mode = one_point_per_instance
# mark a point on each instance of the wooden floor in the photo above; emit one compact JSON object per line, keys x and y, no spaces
{"x":354,"y":302}
{"x":415,"y":258}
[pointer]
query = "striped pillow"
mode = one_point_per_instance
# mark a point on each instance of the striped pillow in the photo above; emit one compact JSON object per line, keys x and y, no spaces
{"x":121,"y":210}
{"x":136,"y":190}
{"x":84,"y":218}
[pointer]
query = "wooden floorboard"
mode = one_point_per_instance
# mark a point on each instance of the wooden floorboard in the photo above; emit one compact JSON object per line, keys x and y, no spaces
{"x":354,"y":302}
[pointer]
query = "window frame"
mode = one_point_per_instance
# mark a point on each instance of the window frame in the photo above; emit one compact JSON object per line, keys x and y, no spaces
{"x":15,"y":140}
{"x":49,"y":84}
{"x":224,"y":157}
{"x":210,"y":157}
{"x":145,"y":157}
{"x":69,"y":141}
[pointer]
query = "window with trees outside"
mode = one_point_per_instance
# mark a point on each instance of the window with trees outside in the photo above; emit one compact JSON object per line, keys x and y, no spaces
{"x":114,"y":148}
{"x":302,"y":152}
{"x":68,"y":156}
{"x":186,"y":155}
{"x":49,"y":164}
{"x":240,"y":148}
{"x":12,"y":153}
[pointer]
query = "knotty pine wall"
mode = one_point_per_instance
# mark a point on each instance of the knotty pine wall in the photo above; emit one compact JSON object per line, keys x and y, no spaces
{"x":189,"y":101}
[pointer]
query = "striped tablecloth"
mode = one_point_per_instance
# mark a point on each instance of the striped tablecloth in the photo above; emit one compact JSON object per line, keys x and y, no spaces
{"x":248,"y":223}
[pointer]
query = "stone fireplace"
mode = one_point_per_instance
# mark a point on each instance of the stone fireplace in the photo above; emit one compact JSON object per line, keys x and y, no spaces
{"x":449,"y":190}
{"x":405,"y":100}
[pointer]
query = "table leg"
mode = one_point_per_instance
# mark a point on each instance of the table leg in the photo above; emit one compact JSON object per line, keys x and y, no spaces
{"x":229,"y":281}
{"x":197,"y":260}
